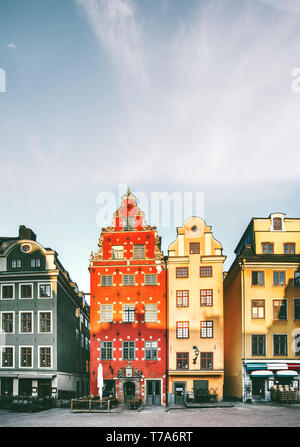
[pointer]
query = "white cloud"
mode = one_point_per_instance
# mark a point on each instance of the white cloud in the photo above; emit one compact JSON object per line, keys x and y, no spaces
{"x":11,"y":45}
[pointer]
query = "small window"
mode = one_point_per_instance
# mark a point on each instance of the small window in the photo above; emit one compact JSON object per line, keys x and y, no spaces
{"x":35,"y":263}
{"x":258,"y":344}
{"x":26,"y":357}
{"x":151,"y":313}
{"x":297,"y":308}
{"x":258,"y":309}
{"x":182,"y":272}
{"x":128,"y":223}
{"x":280,"y":344}
{"x":139,"y":251}
{"x":182,"y":298}
{"x":279,"y":309}
{"x":128,"y":280}
{"x":206,"y":297}
{"x":277,"y":223}
{"x":194,"y":248}
{"x":289,"y":249}
{"x":128,"y":350}
{"x":45,"y":322}
{"x":206,"y":329}
{"x":128,"y":313}
{"x":106,"y":313}
{"x":7,"y":292}
{"x":206,"y":360}
{"x":7,"y":322}
{"x":117,"y":252}
{"x":45,"y":291}
{"x":106,"y":280}
{"x":16,"y":263}
{"x":182,"y":329}
{"x":297,"y":279}
{"x":151,"y":350}
{"x":45,"y":357}
{"x":106,"y":348}
{"x":150,"y":280}
{"x":278,"y":278}
{"x":26,"y":291}
{"x":7,"y":357}
{"x":182,"y":360}
{"x":205,"y":271}
{"x":258,"y":278}
{"x":25,"y":322}
{"x":267,"y":247}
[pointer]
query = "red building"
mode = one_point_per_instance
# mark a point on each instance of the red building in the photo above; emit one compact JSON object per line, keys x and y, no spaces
{"x":128,"y":308}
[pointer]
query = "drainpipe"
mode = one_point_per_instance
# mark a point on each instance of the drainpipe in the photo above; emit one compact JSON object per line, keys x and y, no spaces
{"x":242,"y":266}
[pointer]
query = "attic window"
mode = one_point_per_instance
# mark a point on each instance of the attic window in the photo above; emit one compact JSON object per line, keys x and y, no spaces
{"x":277,"y":223}
{"x":25,"y":248}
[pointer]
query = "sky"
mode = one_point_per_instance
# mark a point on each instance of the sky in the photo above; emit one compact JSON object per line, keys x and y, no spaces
{"x":161,"y":95}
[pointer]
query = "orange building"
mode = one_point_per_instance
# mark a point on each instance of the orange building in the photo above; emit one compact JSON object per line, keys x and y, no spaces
{"x":128,"y":308}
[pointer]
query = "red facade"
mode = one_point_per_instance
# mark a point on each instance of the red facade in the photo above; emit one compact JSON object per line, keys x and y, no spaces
{"x":128,"y":308}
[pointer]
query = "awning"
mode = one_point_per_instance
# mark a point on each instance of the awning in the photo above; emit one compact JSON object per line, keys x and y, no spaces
{"x":261,"y":373}
{"x":287,"y":373}
{"x":255,"y":366}
{"x":293,"y":366}
{"x":35,"y":376}
{"x":277,"y":366}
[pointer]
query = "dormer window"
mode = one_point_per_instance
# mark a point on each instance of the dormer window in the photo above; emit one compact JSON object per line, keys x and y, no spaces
{"x":128,"y":223}
{"x":277,"y":223}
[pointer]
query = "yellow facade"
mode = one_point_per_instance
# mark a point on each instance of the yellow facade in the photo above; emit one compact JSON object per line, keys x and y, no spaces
{"x":195,"y":352}
{"x":261,"y":314}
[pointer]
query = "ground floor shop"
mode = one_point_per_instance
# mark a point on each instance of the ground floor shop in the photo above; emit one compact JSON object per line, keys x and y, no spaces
{"x":261,"y":377}
{"x":194,"y":387}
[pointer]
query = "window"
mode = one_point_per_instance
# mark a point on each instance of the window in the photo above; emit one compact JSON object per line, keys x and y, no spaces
{"x":26,"y":322}
{"x":278,"y":278}
{"x":206,"y":360}
{"x":150,"y":279}
{"x":128,"y":223}
{"x":297,"y":308}
{"x":279,"y":309}
{"x":297,"y":344}
{"x":7,"y":322}
{"x":280,"y":344}
{"x":106,"y":280}
{"x":7,"y":357}
{"x":297,"y":279}
{"x":117,"y":252}
{"x":257,"y":309}
{"x":194,"y":248}
{"x":128,"y":313}
{"x":45,"y":291}
{"x":106,"y":348}
{"x":182,"y":360}
{"x":106,"y":313}
{"x":16,"y":263}
{"x":182,"y":298}
{"x":277,"y":223}
{"x":45,"y":322}
{"x":258,"y":278}
{"x":289,"y":249}
{"x":182,"y":272}
{"x":182,"y":329}
{"x":150,"y":350}
{"x":267,"y":247}
{"x":205,"y":271}
{"x":206,"y":329}
{"x":128,"y":350}
{"x":150,"y":313}
{"x":26,"y":357}
{"x":206,"y":297}
{"x":45,"y":357}
{"x":7,"y":292}
{"x":139,"y":251}
{"x":258,"y":344}
{"x":128,"y":280}
{"x":26,"y":291}
{"x":35,"y":263}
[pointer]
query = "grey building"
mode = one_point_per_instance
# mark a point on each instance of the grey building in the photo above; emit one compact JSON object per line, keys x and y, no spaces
{"x":44,"y":322}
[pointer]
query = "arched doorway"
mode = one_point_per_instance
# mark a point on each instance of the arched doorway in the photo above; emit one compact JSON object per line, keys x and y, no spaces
{"x":129,"y":391}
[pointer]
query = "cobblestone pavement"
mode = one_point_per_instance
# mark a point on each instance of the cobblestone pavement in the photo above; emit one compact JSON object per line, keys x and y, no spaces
{"x":239,"y":415}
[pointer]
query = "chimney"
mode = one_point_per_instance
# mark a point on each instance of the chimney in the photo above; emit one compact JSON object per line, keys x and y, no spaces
{"x":26,"y":233}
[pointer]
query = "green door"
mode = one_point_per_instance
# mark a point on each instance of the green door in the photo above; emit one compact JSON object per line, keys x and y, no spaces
{"x":200,"y":390}
{"x":153,"y":392}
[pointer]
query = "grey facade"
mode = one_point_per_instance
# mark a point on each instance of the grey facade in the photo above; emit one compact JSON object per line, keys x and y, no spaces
{"x":44,"y":323}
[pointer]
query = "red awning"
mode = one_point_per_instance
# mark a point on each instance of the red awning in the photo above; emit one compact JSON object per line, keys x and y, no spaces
{"x":293,"y":365}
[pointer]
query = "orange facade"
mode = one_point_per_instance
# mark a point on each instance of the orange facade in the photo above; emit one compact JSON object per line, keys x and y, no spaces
{"x":128,"y":309}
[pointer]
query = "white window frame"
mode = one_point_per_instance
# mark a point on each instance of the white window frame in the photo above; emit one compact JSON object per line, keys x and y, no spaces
{"x":32,"y":321}
{"x":129,"y":310}
{"x":14,"y":321}
{"x":150,"y":312}
{"x":45,"y":284}
{"x":35,"y":266}
{"x":39,"y":356}
{"x":104,"y":312}
{"x":118,"y":249}
{"x":26,"y":284}
{"x":32,"y":357}
{"x":107,"y":285}
{"x":1,"y":350}
{"x":8,"y":284}
{"x":51,"y":321}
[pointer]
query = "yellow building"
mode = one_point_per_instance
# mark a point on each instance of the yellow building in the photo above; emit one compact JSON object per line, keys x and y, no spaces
{"x":195,"y":314}
{"x":262,"y":310}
